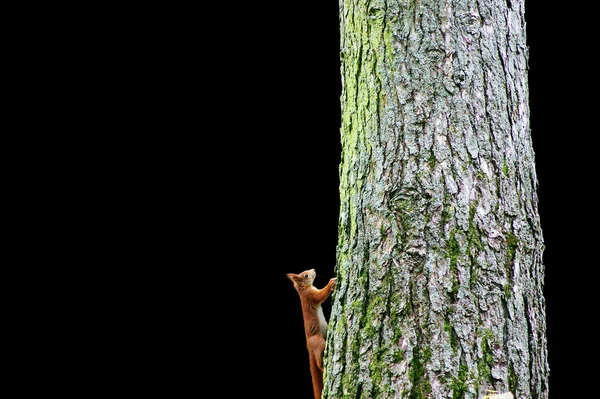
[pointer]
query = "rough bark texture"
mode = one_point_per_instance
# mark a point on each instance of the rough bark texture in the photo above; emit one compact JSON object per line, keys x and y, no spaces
{"x":439,"y":260}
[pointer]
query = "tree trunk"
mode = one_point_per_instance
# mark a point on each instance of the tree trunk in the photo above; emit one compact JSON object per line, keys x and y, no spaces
{"x":439,"y":258}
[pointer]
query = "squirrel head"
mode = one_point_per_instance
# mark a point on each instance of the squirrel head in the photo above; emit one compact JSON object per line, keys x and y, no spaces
{"x":304,"y":279}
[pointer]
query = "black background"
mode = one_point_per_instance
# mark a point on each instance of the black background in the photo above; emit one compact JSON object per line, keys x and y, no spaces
{"x":214,"y":142}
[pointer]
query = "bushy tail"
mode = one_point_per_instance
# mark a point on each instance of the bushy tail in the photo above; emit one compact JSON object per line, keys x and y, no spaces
{"x":317,"y":378}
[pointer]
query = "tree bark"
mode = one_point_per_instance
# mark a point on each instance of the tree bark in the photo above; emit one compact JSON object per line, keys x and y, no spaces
{"x":439,"y":258}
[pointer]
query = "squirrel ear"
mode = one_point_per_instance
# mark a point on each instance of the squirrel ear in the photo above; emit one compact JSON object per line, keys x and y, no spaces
{"x":292,"y":276}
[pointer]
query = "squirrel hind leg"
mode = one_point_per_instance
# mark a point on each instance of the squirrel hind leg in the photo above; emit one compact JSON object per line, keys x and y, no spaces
{"x":317,"y":345}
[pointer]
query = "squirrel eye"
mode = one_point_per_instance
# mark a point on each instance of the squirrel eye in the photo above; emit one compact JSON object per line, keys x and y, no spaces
{"x":306,"y":275}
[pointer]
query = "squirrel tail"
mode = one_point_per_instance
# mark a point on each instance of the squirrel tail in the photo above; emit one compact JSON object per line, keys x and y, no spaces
{"x":317,"y":378}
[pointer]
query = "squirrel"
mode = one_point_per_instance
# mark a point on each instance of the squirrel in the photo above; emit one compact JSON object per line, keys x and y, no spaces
{"x":315,"y":326}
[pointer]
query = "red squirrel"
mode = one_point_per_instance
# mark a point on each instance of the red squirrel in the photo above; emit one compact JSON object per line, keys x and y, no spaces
{"x":315,"y":326}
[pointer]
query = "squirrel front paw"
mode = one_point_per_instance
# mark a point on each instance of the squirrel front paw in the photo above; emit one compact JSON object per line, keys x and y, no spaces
{"x":333,"y":282}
